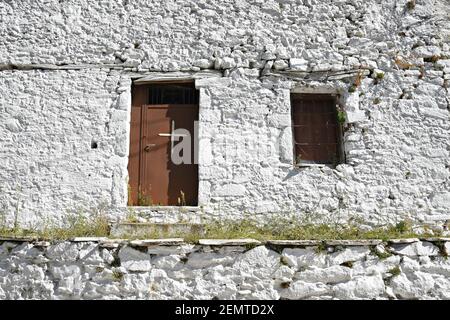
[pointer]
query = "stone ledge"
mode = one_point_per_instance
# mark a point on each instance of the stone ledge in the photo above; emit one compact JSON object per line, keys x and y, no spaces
{"x":299,"y":243}
{"x":154,"y":76}
{"x":401,"y":241}
{"x":112,"y":243}
{"x":42,"y":243}
{"x":228,"y":242}
{"x":44,"y":66}
{"x":318,"y":75}
{"x":161,"y":242}
{"x":437,"y":239}
{"x":115,"y":242}
{"x":294,"y":243}
{"x":19,"y":239}
{"x":350,"y":243}
{"x":89,"y":239}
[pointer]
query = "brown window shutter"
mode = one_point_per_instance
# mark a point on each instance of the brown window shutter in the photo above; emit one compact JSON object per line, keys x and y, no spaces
{"x":315,"y":129}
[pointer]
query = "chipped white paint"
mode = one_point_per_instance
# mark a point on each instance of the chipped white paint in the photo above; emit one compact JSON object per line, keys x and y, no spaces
{"x":72,"y":88}
{"x":93,"y":270}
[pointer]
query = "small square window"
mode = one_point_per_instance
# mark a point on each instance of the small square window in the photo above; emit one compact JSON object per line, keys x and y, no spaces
{"x":316,"y":130}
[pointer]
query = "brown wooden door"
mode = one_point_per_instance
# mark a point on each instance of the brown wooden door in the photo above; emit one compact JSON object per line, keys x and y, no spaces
{"x":154,"y":177}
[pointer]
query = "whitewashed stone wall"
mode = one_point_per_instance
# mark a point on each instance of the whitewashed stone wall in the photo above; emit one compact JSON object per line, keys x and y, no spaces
{"x":146,"y":270}
{"x":66,"y":68}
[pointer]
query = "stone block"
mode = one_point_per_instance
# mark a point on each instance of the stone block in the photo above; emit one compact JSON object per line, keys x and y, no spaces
{"x":301,"y":290}
{"x":298,"y":64}
{"x":134,"y":260}
{"x":330,"y":275}
{"x":421,"y":248}
{"x":349,"y":254}
{"x":365,"y":287}
{"x":64,"y":251}
{"x":298,"y":257}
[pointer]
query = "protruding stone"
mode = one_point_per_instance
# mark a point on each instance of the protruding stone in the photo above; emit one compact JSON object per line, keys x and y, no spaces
{"x":89,"y":239}
{"x":302,"y":290}
{"x":134,"y":260}
{"x":259,"y":261}
{"x":421,"y":248}
{"x":349,"y":254}
{"x":294,"y":243}
{"x":298,"y":258}
{"x":280,"y":65}
{"x":203,"y":63}
{"x":228,"y":242}
{"x":65,"y":251}
{"x":13,"y":125}
{"x":228,"y":63}
{"x":161,"y":242}
{"x":401,"y":241}
{"x":366,"y":287}
{"x":298,"y":64}
{"x":205,"y":260}
{"x":369,"y":242}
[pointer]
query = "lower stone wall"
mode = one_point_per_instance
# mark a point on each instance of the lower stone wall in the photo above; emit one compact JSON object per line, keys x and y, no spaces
{"x":238,"y":269}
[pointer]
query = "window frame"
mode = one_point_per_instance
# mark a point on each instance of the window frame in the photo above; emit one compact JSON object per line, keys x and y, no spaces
{"x":341,"y":158}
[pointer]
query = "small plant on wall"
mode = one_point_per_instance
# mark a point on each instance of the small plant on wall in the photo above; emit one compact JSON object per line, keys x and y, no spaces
{"x":182,"y":199}
{"x":358,"y":80}
{"x":341,"y":117}
{"x":144,"y":200}
{"x":402,"y":63}
{"x":340,"y":114}
{"x":130,"y":201}
{"x":379,"y":75}
{"x":298,"y":159}
{"x":411,"y":4}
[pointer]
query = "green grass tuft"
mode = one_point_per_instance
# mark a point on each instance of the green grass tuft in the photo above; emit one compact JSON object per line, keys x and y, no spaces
{"x":411,"y":4}
{"x":271,"y":229}
{"x":395,"y":271}
{"x":341,"y":117}
{"x":380,"y":76}
{"x":79,"y":226}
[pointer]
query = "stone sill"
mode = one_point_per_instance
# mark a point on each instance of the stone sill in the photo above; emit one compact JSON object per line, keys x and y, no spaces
{"x":309,"y":165}
{"x":295,"y":243}
{"x":165,"y":208}
{"x":314,"y":165}
{"x":228,"y":242}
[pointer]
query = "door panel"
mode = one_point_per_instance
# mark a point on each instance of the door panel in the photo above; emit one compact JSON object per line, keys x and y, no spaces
{"x":167,"y":183}
{"x":140,"y":97}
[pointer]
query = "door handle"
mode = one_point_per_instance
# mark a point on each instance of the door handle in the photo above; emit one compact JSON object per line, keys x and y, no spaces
{"x":148,"y":146}
{"x":172,"y":135}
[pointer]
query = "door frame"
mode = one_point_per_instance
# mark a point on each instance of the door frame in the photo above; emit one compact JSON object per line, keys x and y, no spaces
{"x":136,"y":101}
